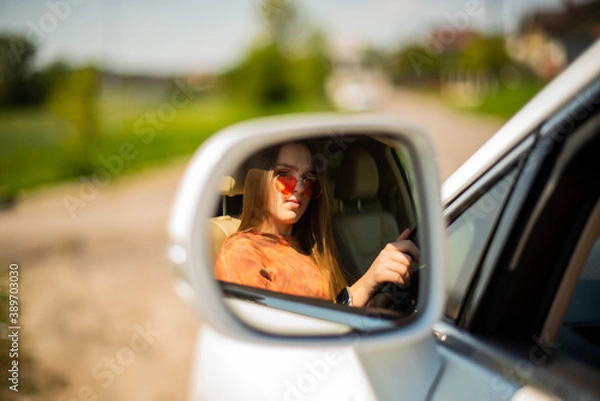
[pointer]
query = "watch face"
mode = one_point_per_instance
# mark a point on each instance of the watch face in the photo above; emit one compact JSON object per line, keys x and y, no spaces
{"x":343,"y":297}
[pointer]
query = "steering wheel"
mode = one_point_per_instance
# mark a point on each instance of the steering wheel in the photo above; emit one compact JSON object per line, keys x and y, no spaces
{"x":393,"y":297}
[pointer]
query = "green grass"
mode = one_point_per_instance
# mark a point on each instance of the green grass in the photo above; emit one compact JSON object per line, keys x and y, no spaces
{"x":506,"y":101}
{"x":33,"y":144}
{"x":37,"y":147}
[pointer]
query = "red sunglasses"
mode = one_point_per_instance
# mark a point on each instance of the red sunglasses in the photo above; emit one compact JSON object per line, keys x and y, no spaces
{"x":286,"y":183}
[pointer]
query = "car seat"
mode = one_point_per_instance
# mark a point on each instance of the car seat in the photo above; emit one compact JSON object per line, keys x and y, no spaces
{"x":221,"y":227}
{"x":361,"y":229}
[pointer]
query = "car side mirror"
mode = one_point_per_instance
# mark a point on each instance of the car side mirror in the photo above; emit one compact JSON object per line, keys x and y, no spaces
{"x":377,"y":176}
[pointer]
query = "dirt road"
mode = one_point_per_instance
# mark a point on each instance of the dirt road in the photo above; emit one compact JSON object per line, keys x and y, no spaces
{"x":99,"y":314}
{"x":455,"y":135}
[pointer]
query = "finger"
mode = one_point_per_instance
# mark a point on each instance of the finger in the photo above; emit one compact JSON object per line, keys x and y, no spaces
{"x":404,"y":279}
{"x":405,"y":246}
{"x":403,"y":258}
{"x":390,"y":276}
{"x":413,"y":251}
{"x":404,"y":234}
{"x":400,"y":269}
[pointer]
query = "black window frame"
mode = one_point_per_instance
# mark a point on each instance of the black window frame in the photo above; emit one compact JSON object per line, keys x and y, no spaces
{"x":525,"y":264}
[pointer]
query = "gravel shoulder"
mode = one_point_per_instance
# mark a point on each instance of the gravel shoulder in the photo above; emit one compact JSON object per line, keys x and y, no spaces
{"x":99,"y":312}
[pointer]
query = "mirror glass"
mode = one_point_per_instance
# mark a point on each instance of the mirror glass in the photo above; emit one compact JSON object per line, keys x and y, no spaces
{"x":322,"y":229}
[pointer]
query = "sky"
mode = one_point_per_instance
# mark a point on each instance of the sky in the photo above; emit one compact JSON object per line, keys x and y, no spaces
{"x":196,"y":36}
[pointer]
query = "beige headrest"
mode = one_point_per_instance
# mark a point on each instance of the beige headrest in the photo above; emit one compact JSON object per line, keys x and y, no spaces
{"x":357,"y":178}
{"x":232,"y":185}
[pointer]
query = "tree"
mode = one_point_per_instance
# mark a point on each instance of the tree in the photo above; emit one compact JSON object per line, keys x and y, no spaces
{"x":74,"y":99}
{"x":485,"y":54}
{"x":286,"y":64}
{"x":414,"y":64}
{"x":18,"y":84}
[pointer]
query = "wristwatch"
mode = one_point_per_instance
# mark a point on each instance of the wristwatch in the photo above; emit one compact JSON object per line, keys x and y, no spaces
{"x":344,"y":297}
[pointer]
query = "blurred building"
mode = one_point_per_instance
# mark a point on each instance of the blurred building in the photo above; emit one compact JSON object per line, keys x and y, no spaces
{"x":549,"y":40}
{"x":464,"y":86}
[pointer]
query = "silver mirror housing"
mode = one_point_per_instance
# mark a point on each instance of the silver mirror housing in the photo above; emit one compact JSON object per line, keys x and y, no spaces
{"x":198,"y":193}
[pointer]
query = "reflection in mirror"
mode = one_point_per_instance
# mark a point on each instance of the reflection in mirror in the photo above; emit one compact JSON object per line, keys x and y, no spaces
{"x":322,"y":227}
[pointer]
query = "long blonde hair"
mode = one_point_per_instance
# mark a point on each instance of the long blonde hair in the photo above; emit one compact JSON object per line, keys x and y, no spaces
{"x":312,"y":231}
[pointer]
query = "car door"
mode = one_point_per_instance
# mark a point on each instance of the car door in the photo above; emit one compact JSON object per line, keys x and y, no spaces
{"x":523,"y":271}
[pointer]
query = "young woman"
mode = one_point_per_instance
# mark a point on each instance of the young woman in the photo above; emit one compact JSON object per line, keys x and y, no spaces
{"x":284,"y":242}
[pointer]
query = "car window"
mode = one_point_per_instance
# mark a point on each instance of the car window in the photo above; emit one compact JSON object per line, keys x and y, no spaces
{"x":579,"y":333}
{"x":468,"y":235}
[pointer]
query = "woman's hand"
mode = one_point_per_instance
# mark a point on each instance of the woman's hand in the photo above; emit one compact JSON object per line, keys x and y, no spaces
{"x":392,"y":265}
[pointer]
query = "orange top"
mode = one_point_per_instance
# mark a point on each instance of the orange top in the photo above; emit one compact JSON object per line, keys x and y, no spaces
{"x":269,"y":261}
